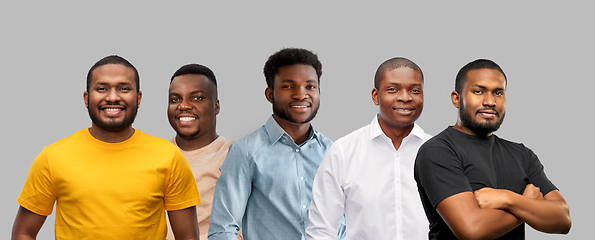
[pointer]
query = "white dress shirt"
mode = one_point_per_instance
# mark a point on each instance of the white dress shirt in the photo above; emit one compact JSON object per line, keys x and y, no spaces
{"x":366,"y":179}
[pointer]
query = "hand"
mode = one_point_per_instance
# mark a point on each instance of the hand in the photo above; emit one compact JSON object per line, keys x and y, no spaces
{"x":533,"y":192}
{"x":491,"y":198}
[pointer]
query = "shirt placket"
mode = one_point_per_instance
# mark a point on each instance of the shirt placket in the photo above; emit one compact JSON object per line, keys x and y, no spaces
{"x":301,"y":184}
{"x":398,"y":194}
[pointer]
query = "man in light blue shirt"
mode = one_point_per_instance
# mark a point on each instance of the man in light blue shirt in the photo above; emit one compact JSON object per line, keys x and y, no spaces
{"x":266,"y":179}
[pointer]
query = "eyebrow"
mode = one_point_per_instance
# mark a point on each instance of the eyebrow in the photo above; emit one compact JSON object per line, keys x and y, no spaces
{"x":292,"y":81}
{"x":120,"y":83}
{"x":484,"y":87}
{"x":399,"y":84}
{"x":193,"y":92}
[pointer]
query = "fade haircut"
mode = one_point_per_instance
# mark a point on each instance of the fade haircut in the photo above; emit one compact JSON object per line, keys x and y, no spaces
{"x":477,"y":64}
{"x":290,"y":56}
{"x":194,"y":68}
{"x":114,"y":59}
{"x":394,"y":63}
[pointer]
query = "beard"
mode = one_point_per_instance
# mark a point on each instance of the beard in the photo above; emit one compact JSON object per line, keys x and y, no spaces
{"x":112,"y":125}
{"x":481,"y":129}
{"x":277,"y":110}
{"x":188,"y":136}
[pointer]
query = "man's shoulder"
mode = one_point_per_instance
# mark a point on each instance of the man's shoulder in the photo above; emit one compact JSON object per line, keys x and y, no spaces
{"x":257,"y":135}
{"x":150,"y":140}
{"x":359,"y":135}
{"x":444,"y":138}
{"x":67,"y":142}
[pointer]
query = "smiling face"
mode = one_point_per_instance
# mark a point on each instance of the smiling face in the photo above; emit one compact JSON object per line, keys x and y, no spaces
{"x":193,"y":106}
{"x":482,"y":102}
{"x":400,"y":97}
{"x":295,"y":94}
{"x":112,"y":99}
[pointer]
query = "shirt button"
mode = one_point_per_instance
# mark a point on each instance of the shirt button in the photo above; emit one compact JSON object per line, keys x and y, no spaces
{"x":304,"y":207}
{"x":297,"y":150}
{"x":302,"y":178}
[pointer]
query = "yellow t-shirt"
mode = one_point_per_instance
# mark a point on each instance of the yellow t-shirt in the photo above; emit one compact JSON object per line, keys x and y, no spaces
{"x":109,"y":190}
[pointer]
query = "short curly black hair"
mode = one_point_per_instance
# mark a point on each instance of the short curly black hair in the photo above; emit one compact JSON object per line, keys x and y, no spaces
{"x":194,"y":68}
{"x":290,"y":56}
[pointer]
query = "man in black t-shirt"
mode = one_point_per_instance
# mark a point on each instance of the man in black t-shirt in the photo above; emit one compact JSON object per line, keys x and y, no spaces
{"x":475,"y":185}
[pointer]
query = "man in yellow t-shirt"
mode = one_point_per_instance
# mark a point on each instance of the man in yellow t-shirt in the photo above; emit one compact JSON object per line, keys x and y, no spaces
{"x":192,"y":112}
{"x":110,"y":181}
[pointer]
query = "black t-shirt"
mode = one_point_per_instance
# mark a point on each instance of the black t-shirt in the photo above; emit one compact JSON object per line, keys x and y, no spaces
{"x":453,"y":162}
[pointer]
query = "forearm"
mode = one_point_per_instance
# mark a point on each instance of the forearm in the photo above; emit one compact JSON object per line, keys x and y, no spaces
{"x":488,"y":224}
{"x":468,"y":221}
{"x":550,"y":215}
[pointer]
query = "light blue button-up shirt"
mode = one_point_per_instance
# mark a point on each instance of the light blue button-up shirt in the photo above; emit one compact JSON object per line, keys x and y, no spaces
{"x":265,"y":185}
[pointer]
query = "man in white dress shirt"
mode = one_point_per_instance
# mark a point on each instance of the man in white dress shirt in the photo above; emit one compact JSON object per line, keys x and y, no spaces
{"x":367,"y":176}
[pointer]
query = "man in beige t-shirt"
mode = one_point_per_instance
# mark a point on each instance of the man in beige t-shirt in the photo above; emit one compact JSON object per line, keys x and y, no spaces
{"x":192,"y":109}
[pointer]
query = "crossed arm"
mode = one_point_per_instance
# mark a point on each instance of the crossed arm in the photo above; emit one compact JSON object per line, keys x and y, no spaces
{"x":548,"y":214}
{"x":490,"y":213}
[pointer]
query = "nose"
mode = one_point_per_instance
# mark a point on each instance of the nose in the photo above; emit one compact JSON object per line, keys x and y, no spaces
{"x":113,"y":96}
{"x":404,"y":96}
{"x":184,"y":105}
{"x":489,"y":100}
{"x":300,"y":94}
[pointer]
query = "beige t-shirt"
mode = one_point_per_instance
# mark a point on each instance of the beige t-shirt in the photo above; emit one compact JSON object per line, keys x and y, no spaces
{"x":205,"y":163}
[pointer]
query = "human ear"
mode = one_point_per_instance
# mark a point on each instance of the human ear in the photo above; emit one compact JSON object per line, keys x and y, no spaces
{"x":139,"y":97}
{"x":455,"y":98}
{"x":375,"y":96}
{"x":86,"y":99}
{"x":268,"y":93}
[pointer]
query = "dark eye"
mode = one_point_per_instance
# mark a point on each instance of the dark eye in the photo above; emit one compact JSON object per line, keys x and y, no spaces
{"x":311,"y":87}
{"x":392,"y":89}
{"x":477,"y":91}
{"x":197,"y":98}
{"x":499,"y":93}
{"x":174,"y":100}
{"x":416,"y":90}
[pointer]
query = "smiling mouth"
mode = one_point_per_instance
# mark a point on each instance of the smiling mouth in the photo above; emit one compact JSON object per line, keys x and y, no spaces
{"x":112,"y":111}
{"x":403,"y":110}
{"x":187,"y":119}
{"x":488,"y":113}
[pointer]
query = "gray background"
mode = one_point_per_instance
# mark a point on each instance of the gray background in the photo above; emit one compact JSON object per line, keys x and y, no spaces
{"x":545,"y":49}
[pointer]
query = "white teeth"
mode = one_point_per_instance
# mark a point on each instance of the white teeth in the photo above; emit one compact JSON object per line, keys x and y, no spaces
{"x":112,"y":109}
{"x":187,"y":118}
{"x":299,"y":106}
{"x":404,"y":110}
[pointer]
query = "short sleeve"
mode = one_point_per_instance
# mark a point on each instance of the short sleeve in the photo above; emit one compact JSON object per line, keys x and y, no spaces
{"x":180,"y":191}
{"x":535,"y":172}
{"x":440,"y":172}
{"x":38,"y":194}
